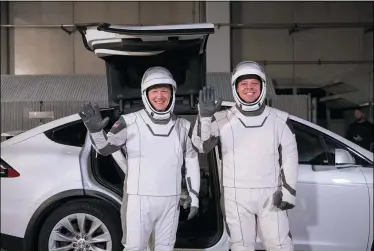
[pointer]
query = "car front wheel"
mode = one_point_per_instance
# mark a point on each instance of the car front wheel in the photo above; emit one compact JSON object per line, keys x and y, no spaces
{"x":82,"y":225}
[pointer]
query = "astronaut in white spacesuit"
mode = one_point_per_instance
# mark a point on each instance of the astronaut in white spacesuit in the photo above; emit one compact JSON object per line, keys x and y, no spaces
{"x":259,"y":160}
{"x":156,"y":144}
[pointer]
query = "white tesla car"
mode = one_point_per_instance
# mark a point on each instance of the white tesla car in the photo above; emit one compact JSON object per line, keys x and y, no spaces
{"x":58,"y":194}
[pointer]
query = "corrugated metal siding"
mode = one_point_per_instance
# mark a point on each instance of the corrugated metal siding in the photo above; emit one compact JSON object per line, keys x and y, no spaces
{"x":297,"y":105}
{"x":270,"y":89}
{"x":64,"y":94}
{"x":83,"y":87}
{"x":221,"y":84}
{"x":53,"y":88}
{"x":14,"y":116}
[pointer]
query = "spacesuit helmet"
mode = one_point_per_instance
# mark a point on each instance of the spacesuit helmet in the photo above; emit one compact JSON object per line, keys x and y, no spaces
{"x":249,"y":70}
{"x":153,"y":77}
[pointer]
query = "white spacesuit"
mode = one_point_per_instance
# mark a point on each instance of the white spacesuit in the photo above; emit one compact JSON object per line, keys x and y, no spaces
{"x":259,"y":163}
{"x":156,"y":145}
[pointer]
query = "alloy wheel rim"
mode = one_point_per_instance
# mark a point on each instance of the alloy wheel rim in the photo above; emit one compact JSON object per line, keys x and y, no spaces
{"x":80,"y":232}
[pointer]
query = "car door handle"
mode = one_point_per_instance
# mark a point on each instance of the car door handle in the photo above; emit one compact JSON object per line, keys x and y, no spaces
{"x":321,"y":168}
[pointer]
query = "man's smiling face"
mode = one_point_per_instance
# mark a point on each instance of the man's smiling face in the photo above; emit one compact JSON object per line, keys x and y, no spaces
{"x":249,"y":90}
{"x":159,"y":97}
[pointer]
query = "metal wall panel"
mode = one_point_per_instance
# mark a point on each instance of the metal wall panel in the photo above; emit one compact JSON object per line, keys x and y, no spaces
{"x":4,"y":38}
{"x":367,"y":50}
{"x":17,"y":88}
{"x":297,"y":105}
{"x":333,"y":12}
{"x":53,"y":51}
{"x":63,"y":96}
{"x":325,"y":44}
{"x":41,"y":50}
{"x":340,"y":44}
{"x":86,"y":87}
{"x":169,"y":12}
{"x":62,"y":109}
{"x":14,"y":115}
{"x":84,"y":61}
{"x":218,"y":52}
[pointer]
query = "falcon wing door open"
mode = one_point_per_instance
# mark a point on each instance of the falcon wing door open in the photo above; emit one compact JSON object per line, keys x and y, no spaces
{"x":128,"y":51}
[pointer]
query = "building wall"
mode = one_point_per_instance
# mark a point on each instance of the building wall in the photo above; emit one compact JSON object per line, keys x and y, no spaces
{"x":4,"y":38}
{"x":53,"y":51}
{"x":343,"y":44}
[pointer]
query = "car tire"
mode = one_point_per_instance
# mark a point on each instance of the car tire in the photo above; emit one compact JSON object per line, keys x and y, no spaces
{"x":88,"y":209}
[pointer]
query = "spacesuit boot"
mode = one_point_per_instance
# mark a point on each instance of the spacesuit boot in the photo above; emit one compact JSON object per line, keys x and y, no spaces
{"x":156,"y":145}
{"x":259,"y":160}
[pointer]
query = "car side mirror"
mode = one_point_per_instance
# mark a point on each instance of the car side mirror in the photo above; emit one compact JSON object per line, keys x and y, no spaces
{"x":343,"y":157}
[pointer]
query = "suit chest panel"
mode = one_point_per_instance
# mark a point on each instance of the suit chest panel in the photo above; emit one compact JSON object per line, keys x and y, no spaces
{"x":154,"y":141}
{"x":239,"y":138}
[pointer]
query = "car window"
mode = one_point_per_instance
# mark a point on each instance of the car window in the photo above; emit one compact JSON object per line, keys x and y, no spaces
{"x":72,"y":134}
{"x":316,"y":148}
{"x":332,"y":145}
{"x":310,"y":147}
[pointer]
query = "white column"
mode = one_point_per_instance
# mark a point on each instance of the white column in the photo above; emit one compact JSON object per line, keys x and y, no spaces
{"x":4,"y":38}
{"x":219,"y":44}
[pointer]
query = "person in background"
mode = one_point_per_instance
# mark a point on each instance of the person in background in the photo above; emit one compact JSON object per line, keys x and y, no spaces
{"x":361,"y":131}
